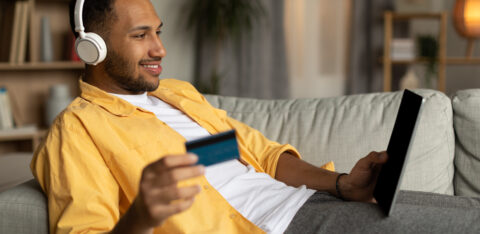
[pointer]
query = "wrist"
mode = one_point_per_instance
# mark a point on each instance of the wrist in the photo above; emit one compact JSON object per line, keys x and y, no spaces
{"x":341,"y":186}
{"x":133,"y":221}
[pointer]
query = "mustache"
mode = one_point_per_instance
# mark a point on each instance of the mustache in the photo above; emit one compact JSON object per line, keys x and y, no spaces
{"x":155,"y":59}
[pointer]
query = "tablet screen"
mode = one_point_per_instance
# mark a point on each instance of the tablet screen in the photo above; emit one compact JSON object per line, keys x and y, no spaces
{"x":389,"y":178}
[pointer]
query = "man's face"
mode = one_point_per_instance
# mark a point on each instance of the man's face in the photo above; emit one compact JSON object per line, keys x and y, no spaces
{"x":135,"y":50}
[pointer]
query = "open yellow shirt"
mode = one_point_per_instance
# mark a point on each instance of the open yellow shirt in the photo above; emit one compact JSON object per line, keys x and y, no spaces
{"x":91,"y":161}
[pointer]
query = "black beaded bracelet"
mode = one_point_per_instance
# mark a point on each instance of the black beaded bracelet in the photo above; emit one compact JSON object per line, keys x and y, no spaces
{"x":337,"y":187}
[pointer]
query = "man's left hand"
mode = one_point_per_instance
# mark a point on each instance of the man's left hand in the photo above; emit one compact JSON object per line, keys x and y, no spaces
{"x":360,"y":183}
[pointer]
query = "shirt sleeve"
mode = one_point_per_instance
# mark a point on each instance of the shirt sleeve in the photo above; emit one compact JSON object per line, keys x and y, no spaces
{"x":263,"y":150}
{"x":83,"y":196}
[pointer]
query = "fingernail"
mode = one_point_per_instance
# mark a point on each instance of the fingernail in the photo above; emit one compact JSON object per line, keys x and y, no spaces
{"x":201,"y":168}
{"x":193,"y":156}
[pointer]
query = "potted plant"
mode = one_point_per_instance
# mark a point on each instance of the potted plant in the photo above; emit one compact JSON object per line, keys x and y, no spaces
{"x":216,"y":21}
{"x":428,"y":49}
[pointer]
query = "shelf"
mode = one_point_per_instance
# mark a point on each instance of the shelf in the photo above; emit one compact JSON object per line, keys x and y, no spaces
{"x":67,"y":65}
{"x":409,"y":61}
{"x":463,"y":61}
{"x":28,"y":133}
{"x":21,"y":134}
{"x":451,"y":61}
{"x":407,"y":16}
{"x":390,"y":17}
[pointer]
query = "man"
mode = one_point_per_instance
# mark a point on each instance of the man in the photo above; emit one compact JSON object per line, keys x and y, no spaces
{"x":114,"y":160}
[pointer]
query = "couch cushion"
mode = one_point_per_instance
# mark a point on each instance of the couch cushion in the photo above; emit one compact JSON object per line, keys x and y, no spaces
{"x":344,"y":129}
{"x":14,"y":169}
{"x":466,"y":121}
{"x":23,"y":209}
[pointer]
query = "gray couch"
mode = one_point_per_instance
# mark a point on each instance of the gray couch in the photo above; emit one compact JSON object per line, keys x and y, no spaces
{"x":445,"y":157}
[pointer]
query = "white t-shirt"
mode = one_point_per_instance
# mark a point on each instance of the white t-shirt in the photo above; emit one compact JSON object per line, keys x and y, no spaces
{"x":266,"y":202}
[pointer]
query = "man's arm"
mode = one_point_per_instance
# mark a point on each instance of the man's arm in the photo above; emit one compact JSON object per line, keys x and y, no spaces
{"x":357,"y":186}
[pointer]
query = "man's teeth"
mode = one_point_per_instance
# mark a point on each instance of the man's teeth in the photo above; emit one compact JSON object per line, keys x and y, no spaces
{"x":150,"y":66}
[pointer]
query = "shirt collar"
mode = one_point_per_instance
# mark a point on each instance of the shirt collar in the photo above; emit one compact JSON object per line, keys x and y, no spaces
{"x":111,"y":103}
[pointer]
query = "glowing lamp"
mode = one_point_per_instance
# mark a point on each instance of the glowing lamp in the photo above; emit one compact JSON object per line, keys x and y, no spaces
{"x":466,"y":16}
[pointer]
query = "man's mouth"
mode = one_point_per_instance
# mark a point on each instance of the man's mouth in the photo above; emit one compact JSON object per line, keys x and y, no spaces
{"x":153,"y":69}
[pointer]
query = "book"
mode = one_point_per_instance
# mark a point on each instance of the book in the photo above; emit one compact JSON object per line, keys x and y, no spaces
{"x":22,"y":46}
{"x":6,"y":116}
{"x":17,"y":116}
{"x":7,"y":9}
{"x":15,"y":32}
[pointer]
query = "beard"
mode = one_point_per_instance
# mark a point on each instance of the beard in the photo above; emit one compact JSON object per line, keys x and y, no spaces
{"x":122,"y":71}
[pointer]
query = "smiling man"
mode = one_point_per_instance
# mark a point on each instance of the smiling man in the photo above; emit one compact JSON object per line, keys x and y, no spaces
{"x":114,"y":160}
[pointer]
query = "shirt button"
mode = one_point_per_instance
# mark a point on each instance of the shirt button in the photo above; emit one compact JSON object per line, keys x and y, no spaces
{"x":206,"y":187}
{"x":232,"y":216}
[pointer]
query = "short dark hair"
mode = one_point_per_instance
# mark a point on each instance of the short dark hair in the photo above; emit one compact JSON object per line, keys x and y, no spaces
{"x":96,"y":15}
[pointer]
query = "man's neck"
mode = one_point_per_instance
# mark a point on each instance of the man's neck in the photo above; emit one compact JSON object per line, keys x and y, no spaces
{"x":97,"y":77}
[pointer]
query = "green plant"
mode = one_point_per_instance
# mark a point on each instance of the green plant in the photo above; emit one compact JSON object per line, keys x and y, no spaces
{"x":216,"y":21}
{"x":428,"y":48}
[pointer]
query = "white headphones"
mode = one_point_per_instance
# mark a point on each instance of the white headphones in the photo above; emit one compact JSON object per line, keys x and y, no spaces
{"x":90,"y":47}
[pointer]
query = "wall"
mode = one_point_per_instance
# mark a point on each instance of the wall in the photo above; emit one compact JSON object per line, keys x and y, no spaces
{"x":461,"y":76}
{"x":316,"y":33}
{"x":458,"y":76}
{"x":179,"y":61}
{"x":316,"y":39}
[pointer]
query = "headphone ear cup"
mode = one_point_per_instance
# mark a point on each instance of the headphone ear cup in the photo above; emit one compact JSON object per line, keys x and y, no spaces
{"x":91,"y":48}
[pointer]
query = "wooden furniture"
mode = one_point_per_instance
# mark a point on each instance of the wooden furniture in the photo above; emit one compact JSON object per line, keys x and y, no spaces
{"x":388,"y":36}
{"x":443,"y":60}
{"x":24,"y":139}
{"x":28,"y":82}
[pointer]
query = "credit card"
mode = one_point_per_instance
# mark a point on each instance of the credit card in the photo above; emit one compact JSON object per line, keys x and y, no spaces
{"x":215,"y":149}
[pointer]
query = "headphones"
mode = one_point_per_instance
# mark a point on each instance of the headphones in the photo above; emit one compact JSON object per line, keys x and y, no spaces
{"x":90,"y":47}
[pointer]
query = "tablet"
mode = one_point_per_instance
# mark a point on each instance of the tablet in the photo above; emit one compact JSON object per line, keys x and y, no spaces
{"x":401,"y":140}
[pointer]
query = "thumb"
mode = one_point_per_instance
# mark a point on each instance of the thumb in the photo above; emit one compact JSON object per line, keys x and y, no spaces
{"x":381,"y":157}
{"x":374,"y":158}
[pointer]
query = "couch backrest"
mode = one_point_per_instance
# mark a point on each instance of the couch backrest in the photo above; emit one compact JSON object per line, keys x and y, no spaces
{"x":344,"y":129}
{"x":23,"y":209}
{"x":466,"y":120}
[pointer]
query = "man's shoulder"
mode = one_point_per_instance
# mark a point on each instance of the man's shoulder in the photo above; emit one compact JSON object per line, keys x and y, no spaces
{"x":76,"y":110}
{"x":175,"y":84}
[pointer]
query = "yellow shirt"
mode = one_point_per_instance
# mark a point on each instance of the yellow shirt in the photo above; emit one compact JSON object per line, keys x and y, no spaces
{"x":91,"y":161}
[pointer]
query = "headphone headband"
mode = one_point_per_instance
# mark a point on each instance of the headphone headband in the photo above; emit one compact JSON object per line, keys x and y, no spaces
{"x":78,"y":16}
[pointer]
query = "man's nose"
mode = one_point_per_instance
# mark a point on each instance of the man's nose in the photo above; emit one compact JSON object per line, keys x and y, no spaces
{"x":157,"y":49}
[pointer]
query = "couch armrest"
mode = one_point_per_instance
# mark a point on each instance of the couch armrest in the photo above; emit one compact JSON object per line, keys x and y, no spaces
{"x":23,"y":209}
{"x":466,"y":121}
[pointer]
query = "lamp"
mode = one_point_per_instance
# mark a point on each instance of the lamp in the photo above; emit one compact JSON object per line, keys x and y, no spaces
{"x":466,"y":16}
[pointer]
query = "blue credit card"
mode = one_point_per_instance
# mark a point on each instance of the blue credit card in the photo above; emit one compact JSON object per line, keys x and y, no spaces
{"x":215,"y":149}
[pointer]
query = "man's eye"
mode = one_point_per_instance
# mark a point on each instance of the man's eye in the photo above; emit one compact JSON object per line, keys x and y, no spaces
{"x":159,"y":32}
{"x":140,"y":36}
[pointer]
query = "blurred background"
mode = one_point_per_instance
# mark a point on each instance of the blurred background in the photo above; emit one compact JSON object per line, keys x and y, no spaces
{"x":315,"y":48}
{"x":248,"y":48}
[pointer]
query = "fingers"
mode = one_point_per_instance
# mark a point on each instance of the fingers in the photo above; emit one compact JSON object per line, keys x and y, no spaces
{"x":172,"y":193}
{"x":173,"y":176}
{"x":373,"y":159}
{"x":175,"y":161}
{"x":172,"y":169}
{"x":378,"y":157}
{"x":159,"y":196}
{"x":175,"y":208}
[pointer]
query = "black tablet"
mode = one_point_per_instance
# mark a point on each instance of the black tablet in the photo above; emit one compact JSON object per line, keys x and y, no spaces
{"x":401,"y":140}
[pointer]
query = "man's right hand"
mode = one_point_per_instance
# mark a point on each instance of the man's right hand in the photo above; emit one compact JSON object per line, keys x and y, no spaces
{"x":159,"y":197}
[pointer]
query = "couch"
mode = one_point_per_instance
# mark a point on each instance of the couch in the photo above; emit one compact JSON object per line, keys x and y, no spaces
{"x":445,"y":157}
